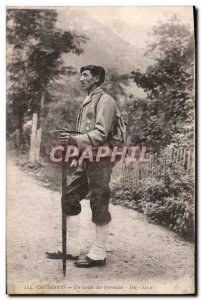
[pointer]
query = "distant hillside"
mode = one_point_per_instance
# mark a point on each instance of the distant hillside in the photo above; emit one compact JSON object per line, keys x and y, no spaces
{"x":104,"y":47}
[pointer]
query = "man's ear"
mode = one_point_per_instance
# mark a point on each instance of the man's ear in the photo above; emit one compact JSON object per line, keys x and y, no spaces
{"x":97,"y":78}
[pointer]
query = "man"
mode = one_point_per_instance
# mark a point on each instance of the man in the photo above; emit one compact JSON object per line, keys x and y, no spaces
{"x":95,"y":122}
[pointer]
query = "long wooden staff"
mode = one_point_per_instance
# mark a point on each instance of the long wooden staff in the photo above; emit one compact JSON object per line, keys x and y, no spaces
{"x":64,"y":185}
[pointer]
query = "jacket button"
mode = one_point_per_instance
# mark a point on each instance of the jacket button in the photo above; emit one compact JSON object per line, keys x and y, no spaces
{"x":87,"y":128}
{"x":88,"y":121}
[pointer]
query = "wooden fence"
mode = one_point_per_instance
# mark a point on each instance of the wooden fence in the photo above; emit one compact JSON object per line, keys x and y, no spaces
{"x":168,"y":161}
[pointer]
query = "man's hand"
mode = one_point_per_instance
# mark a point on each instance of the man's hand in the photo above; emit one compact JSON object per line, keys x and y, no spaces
{"x":74,"y":163}
{"x":66,"y":138}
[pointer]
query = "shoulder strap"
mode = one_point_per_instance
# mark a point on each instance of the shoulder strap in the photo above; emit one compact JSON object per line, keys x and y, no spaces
{"x":98,"y":101}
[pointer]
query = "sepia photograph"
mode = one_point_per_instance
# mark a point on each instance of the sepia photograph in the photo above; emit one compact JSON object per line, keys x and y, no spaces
{"x":100,"y":150}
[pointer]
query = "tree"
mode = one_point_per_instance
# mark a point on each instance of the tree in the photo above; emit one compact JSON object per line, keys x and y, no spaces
{"x":35,"y":61}
{"x":168,"y":82}
{"x":62,"y":113}
{"x":115,"y":84}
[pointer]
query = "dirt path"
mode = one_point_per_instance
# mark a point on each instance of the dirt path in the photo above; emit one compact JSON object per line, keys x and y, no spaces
{"x":142,"y":257}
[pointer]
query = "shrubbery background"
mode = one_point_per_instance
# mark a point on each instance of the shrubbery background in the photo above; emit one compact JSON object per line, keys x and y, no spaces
{"x":166,"y":199}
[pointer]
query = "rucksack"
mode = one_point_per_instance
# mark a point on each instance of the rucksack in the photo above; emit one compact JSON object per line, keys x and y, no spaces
{"x":117,"y":135}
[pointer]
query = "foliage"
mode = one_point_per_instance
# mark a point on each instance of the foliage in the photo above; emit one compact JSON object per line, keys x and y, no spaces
{"x":62,"y":109}
{"x":169,"y":83}
{"x":114,"y":84}
{"x":35,"y":49}
{"x":166,"y":199}
{"x":164,"y":118}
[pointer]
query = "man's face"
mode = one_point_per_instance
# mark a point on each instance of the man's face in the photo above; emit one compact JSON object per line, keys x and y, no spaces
{"x":87,"y":80}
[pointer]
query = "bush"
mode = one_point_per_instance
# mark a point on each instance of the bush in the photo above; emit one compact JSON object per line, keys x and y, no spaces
{"x":167,"y":200}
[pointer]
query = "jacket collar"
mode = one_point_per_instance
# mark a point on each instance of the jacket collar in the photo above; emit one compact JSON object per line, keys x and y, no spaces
{"x":89,"y":97}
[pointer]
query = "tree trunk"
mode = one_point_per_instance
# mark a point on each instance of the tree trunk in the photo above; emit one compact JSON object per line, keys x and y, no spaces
{"x":19,"y":135}
{"x":33,"y":137}
{"x":36,"y":134}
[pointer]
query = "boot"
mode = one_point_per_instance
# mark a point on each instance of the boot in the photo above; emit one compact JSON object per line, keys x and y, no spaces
{"x":97,"y":254}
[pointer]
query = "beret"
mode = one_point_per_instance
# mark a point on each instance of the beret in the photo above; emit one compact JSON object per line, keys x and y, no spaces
{"x":95,"y":70}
